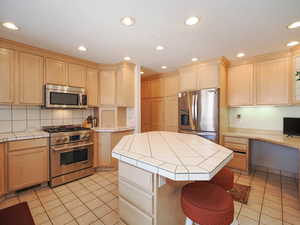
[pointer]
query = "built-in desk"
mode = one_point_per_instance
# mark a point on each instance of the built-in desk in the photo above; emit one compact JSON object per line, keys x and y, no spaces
{"x":272,"y":137}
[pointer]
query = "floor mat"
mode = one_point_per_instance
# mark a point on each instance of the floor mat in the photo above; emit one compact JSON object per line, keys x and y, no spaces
{"x":16,"y":215}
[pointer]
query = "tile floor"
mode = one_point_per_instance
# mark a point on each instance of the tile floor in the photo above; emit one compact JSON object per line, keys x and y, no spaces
{"x":94,"y":201}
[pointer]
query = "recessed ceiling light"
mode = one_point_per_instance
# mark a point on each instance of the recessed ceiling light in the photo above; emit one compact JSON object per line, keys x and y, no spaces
{"x":127,"y":58}
{"x":292,"y":43}
{"x":82,"y":48}
{"x":294,"y":25}
{"x":128,"y":21}
{"x":193,"y":20}
{"x":240,"y":55}
{"x":194,"y":59}
{"x":160,"y":48}
{"x":141,"y":72}
{"x":10,"y":26}
{"x":164,"y":67}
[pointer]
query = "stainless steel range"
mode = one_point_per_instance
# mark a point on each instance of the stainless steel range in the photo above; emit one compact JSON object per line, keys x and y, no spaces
{"x":71,"y":153}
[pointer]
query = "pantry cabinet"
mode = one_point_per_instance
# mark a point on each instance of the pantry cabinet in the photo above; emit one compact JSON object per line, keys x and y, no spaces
{"x":56,"y":72}
{"x":157,"y":88}
{"x":240,"y":85}
{"x":146,"y":115}
{"x":76,"y":75}
{"x":7,"y":70}
{"x":27,"y":163}
{"x":108,"y":87}
{"x":31,"y":79}
{"x":171,"y":85}
{"x":273,"y":82}
{"x":171,"y":113}
{"x":158,"y":114}
{"x":188,"y":78}
{"x":92,"y":87}
{"x":2,"y":170}
{"x":146,"y":89}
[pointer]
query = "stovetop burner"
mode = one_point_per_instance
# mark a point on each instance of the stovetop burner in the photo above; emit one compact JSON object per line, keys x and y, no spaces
{"x":66,"y":128}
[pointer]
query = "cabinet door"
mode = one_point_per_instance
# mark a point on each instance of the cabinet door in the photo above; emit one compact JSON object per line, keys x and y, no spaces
{"x":208,"y":76}
{"x":157,"y":88}
{"x":188,"y":78}
{"x":240,"y":85}
{"x":107,"y":87}
{"x":171,"y":113}
{"x":158,"y":114}
{"x":77,"y":75}
{"x":27,"y":168}
{"x":2,"y":170}
{"x":125,"y":87}
{"x":146,"y":89}
{"x":7,"y":67}
{"x":92,"y":87}
{"x":56,"y":72}
{"x":146,"y":115}
{"x":272,"y":82}
{"x":31,"y":69}
{"x":171,"y":85}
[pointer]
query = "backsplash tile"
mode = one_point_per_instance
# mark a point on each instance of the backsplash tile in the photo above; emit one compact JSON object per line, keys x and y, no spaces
{"x":21,"y":118}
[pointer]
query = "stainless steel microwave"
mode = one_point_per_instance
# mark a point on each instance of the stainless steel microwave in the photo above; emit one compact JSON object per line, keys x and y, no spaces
{"x":58,"y":97}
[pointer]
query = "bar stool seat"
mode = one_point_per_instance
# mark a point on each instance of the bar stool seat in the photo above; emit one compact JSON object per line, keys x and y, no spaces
{"x":207,"y":204}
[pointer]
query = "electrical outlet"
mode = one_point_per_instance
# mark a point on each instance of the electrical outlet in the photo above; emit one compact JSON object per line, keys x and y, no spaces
{"x":238,"y":116}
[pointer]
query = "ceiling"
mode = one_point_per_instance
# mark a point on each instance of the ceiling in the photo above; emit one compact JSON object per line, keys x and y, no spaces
{"x":226,"y":28}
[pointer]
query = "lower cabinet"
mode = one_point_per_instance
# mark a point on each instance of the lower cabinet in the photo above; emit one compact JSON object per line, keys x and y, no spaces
{"x":105,"y":143}
{"x":2,"y":170}
{"x":240,"y":148}
{"x":27,"y":163}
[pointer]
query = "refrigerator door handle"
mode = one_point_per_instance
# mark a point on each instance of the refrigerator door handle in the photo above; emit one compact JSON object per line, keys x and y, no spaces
{"x":196,"y":110}
{"x":193,"y":108}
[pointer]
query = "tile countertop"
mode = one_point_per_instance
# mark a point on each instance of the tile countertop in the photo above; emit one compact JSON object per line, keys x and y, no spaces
{"x":4,"y":137}
{"x":112,"y":130}
{"x":279,"y":138}
{"x":176,"y":156}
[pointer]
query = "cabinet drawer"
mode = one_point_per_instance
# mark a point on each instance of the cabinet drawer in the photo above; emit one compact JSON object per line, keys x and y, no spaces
{"x":237,"y":147}
{"x":239,"y":162}
{"x":27,"y":144}
{"x":137,"y":176}
{"x":132,"y":215}
{"x":236,"y":140}
{"x":136,"y":197}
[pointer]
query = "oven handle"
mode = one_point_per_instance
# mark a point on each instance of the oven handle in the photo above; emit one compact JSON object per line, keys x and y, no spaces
{"x":69,"y":148}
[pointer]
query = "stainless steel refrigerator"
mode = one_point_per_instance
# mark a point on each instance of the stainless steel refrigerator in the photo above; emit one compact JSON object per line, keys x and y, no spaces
{"x":198,"y":113}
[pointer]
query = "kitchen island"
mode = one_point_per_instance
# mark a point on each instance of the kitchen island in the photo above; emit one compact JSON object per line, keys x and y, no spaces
{"x":154,"y":166}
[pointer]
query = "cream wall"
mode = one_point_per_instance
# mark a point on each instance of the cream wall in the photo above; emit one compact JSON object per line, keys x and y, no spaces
{"x":262,"y":117}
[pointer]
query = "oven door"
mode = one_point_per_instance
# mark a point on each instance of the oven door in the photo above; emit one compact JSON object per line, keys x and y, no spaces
{"x":66,"y":159}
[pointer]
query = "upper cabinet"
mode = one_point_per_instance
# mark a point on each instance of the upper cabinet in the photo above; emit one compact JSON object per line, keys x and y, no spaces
{"x":108,"y":87}
{"x":56,"y":72}
{"x":125,"y":85}
{"x":171,"y":85}
{"x":77,"y":75}
{"x":188,"y":78}
{"x":92,"y":87}
{"x":7,"y":67}
{"x":272,"y":82}
{"x":31,"y":71}
{"x":146,"y":89}
{"x":157,"y":88}
{"x":240,"y":85}
{"x":208,"y":76}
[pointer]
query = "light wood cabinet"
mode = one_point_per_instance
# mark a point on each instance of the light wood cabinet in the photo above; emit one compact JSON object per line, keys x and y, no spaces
{"x":106,"y":142}
{"x":207,"y":76}
{"x":171,"y":114}
{"x":31,"y":71}
{"x":92,"y":87}
{"x":146,"y":89}
{"x":2,"y":170}
{"x":171,"y":85}
{"x":272,"y":82}
{"x":7,"y":70}
{"x":56,"y":72}
{"x":158,"y":114}
{"x":77,"y":75}
{"x":146,"y":115}
{"x":157,"y":88}
{"x":108,"y":87}
{"x":188,"y":78}
{"x":240,"y":85}
{"x":125,"y":86}
{"x":27,"y":163}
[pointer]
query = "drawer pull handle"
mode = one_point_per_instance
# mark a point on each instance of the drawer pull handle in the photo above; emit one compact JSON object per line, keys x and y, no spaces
{"x":239,"y":152}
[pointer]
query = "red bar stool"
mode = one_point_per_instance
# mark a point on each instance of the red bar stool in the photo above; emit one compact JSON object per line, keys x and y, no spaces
{"x":207,"y":204}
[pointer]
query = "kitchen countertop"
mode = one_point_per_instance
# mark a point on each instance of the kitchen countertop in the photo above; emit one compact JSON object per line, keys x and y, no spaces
{"x":176,"y":156}
{"x":112,"y":130}
{"x":4,"y":137}
{"x":275,"y":138}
